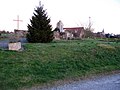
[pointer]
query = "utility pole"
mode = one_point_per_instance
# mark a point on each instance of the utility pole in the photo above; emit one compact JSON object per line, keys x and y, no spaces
{"x":89,"y":26}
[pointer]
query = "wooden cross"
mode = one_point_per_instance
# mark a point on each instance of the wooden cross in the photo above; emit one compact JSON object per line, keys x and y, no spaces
{"x":18,"y":20}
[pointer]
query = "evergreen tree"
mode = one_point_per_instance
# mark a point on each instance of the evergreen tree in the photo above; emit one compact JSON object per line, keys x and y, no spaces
{"x":40,"y":30}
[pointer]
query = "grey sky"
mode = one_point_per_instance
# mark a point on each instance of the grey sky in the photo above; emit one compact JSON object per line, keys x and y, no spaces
{"x":104,"y":13}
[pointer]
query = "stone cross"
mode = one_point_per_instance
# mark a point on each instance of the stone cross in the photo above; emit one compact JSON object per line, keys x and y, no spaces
{"x":18,"y":20}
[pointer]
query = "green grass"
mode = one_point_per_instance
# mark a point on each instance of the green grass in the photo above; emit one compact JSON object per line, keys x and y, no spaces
{"x":45,"y":63}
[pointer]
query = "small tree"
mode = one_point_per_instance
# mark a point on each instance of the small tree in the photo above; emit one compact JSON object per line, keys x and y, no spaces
{"x":89,"y":30}
{"x":89,"y":33}
{"x":40,"y":30}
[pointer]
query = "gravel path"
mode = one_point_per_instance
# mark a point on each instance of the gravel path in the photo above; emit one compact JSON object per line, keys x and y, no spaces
{"x":109,"y":82}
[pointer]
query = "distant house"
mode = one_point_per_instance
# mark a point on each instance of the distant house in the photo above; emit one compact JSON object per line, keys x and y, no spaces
{"x":74,"y":32}
{"x":21,"y":33}
{"x":56,"y":35}
{"x":68,"y":33}
{"x":100,"y":34}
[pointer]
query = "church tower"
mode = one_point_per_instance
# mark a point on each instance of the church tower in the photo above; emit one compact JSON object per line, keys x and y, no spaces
{"x":60,"y":26}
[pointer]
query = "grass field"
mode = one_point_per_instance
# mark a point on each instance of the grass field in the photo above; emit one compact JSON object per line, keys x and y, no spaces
{"x":44,"y":63}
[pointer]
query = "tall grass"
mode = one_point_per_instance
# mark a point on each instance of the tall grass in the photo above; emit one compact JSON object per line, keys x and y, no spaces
{"x":42,"y":63}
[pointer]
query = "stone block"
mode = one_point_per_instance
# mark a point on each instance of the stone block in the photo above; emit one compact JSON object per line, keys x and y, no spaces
{"x":15,"y":46}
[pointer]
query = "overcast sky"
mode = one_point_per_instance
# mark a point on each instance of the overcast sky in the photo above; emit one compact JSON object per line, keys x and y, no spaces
{"x":105,"y":14}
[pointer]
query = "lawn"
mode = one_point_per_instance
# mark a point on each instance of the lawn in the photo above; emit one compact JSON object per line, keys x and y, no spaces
{"x":44,"y":63}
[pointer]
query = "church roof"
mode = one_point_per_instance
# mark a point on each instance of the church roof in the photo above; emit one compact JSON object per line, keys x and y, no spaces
{"x":74,"y":28}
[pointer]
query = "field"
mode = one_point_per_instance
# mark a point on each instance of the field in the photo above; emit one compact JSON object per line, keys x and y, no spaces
{"x":45,"y":63}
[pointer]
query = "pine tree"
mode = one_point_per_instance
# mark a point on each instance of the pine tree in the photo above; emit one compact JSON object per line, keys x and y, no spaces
{"x":40,"y":30}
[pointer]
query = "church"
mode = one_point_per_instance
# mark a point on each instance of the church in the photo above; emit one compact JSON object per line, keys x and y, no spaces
{"x":68,"y":33}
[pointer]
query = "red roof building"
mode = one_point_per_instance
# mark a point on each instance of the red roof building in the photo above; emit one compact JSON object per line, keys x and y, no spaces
{"x":77,"y":32}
